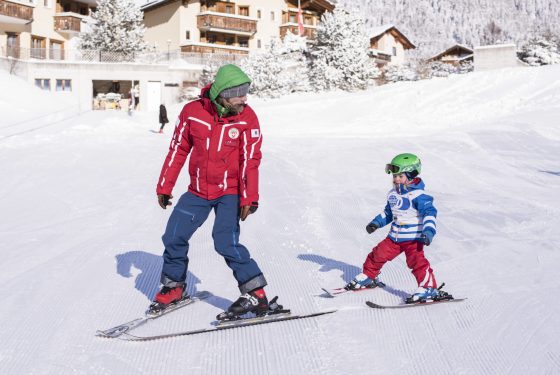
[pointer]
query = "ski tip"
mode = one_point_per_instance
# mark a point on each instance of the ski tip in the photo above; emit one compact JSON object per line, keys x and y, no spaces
{"x":374,"y":305}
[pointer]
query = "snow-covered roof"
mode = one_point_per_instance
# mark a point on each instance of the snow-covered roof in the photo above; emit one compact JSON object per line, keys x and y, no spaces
{"x":461,"y":47}
{"x":153,"y":4}
{"x":377,"y":32}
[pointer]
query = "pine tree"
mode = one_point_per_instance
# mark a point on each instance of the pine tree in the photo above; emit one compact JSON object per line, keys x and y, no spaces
{"x":117,"y":27}
{"x":265,"y":70}
{"x":281,"y":69}
{"x":541,"y":50}
{"x":340,"y":57}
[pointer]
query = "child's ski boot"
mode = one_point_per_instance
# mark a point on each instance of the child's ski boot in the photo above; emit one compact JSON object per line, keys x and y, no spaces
{"x":422,"y":295}
{"x":362,"y":281}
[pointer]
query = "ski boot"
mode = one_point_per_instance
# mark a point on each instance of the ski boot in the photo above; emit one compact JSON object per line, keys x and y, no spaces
{"x":252,"y":302}
{"x":166,"y":296}
{"x":422,"y":295}
{"x":362,"y":281}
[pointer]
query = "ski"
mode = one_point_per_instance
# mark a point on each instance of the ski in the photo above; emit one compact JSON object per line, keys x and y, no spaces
{"x":331,"y":293}
{"x":129,"y":326}
{"x":229,"y":324}
{"x":417,"y":304}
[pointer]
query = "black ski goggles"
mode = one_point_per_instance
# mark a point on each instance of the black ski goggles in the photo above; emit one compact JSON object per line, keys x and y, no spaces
{"x":391,"y":168}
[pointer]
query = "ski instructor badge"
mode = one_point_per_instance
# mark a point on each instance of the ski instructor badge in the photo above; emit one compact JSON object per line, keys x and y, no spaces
{"x":233,"y":133}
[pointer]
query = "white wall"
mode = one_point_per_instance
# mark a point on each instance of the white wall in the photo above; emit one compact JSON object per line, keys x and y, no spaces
{"x":82,"y":76}
{"x":496,"y":57}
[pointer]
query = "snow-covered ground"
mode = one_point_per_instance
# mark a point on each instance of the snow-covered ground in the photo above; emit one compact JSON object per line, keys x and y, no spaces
{"x":80,"y":234}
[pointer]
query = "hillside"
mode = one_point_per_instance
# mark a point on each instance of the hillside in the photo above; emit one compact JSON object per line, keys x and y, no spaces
{"x":434,"y":25}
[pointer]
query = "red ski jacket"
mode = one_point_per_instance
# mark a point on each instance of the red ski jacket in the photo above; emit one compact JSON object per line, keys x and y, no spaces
{"x":225,"y":152}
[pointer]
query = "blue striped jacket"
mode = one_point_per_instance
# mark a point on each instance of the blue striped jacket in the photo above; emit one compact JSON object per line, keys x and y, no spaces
{"x":410,"y":211}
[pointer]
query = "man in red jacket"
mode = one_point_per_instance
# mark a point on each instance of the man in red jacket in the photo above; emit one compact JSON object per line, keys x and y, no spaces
{"x":222,"y":135}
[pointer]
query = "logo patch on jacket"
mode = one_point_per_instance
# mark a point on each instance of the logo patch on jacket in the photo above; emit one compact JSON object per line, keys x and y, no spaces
{"x":233,"y":133}
{"x":255,"y":133}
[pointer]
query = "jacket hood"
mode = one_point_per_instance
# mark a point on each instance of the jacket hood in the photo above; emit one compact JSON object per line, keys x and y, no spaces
{"x":228,"y":76}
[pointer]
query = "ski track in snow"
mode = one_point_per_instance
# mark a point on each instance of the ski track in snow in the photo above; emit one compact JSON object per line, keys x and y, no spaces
{"x":81,"y":247}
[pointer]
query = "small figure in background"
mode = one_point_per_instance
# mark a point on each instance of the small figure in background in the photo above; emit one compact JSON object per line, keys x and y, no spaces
{"x":162,"y":117}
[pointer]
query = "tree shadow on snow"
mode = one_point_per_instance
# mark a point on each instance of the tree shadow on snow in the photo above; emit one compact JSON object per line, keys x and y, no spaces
{"x":148,"y":278}
{"x":348,"y":271}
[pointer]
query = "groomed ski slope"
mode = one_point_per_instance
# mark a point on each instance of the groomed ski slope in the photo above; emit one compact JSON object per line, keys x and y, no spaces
{"x":80,"y":234}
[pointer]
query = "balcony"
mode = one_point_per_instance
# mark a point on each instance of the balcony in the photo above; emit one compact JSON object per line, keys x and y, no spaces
{"x":66,"y":23}
{"x":226,"y":23}
{"x":213,"y":48}
{"x":15,"y":13}
{"x":308,"y":31}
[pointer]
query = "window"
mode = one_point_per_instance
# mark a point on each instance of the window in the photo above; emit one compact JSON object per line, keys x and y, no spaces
{"x":259,"y":14}
{"x":259,"y":43}
{"x":308,"y":20}
{"x":38,"y":48}
{"x":47,"y":3}
{"x":56,"y":50}
{"x":229,"y":9}
{"x":63,"y":85}
{"x":43,"y":83}
{"x":229,"y":40}
{"x":244,"y":11}
{"x":394,"y":51}
{"x":187,"y":35}
{"x":272,"y":16}
{"x":243,"y":42}
{"x":292,"y":18}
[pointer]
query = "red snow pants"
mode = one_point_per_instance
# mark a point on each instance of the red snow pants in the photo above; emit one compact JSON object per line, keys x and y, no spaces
{"x":388,"y":250}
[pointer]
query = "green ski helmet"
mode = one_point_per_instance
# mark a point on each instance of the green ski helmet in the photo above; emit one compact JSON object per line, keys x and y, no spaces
{"x":405,"y":163}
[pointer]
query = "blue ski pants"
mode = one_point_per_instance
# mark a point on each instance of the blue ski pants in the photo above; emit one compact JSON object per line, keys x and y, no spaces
{"x":188,"y":215}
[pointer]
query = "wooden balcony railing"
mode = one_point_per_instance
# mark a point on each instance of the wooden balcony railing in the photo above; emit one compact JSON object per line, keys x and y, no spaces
{"x":212,"y":49}
{"x":310,"y":33}
{"x":67,"y":24}
{"x":16,"y":10}
{"x":209,"y":21}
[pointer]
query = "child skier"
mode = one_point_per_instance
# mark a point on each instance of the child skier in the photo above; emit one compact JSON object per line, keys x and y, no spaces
{"x":413,"y":224}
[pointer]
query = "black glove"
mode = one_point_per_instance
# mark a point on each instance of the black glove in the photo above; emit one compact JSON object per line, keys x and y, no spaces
{"x":164,"y":200}
{"x":427,"y":237}
{"x":371,"y":227}
{"x":247,"y":210}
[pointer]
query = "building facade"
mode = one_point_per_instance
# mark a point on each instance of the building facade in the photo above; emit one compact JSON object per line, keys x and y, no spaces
{"x":233,"y":26}
{"x":41,"y":29}
{"x":388,"y":45}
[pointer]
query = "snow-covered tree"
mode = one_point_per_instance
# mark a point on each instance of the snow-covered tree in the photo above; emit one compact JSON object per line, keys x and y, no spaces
{"x":117,"y":26}
{"x":208,"y":73}
{"x":265,"y":70}
{"x":434,"y":25}
{"x":340,"y":58}
{"x":396,"y":73}
{"x":280,"y":69}
{"x":542,"y":50}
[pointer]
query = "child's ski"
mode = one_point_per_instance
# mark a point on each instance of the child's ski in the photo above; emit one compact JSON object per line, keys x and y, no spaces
{"x":220,"y":326}
{"x":331,"y":293}
{"x":427,"y":303}
{"x":127,"y":327}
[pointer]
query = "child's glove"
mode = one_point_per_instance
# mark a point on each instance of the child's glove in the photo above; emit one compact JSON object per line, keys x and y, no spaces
{"x":371,"y":227}
{"x":427,"y":237}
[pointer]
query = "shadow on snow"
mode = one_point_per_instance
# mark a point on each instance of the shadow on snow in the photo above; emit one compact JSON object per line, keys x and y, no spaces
{"x":148,"y":276}
{"x":348,"y":271}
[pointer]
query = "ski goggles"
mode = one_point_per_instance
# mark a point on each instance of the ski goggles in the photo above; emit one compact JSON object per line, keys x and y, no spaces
{"x":394,"y":169}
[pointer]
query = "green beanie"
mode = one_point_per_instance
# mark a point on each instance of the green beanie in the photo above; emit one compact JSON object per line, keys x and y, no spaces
{"x":228,"y":76}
